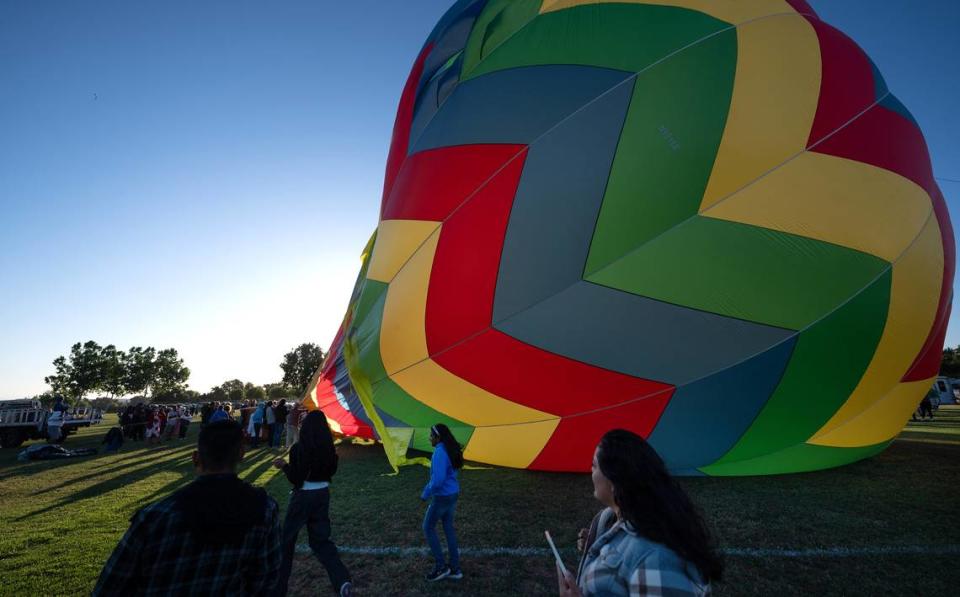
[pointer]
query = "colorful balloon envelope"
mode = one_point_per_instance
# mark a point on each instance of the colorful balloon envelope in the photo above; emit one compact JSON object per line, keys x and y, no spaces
{"x":706,"y":221}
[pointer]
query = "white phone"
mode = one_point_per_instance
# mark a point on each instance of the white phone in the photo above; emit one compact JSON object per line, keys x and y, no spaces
{"x":556,"y":553}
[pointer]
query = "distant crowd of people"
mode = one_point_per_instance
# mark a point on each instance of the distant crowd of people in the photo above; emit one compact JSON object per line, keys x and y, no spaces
{"x":274,"y":422}
{"x":154,"y":423}
{"x":650,"y":539}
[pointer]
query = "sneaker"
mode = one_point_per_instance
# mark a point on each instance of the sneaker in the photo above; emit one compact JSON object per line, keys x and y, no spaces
{"x":346,"y":589}
{"x":455,"y":574}
{"x":438,"y":573}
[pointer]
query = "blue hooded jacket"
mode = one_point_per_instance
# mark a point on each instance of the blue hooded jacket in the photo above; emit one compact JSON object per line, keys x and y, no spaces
{"x":443,"y":477}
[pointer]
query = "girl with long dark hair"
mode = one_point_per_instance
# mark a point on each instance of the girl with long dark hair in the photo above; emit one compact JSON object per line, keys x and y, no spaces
{"x":444,"y":489}
{"x":650,"y":539}
{"x":313,"y":462}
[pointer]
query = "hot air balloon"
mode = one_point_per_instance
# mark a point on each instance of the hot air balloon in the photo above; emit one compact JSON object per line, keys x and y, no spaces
{"x":706,"y":221}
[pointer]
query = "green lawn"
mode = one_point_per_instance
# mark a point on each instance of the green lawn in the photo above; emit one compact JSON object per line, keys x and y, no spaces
{"x":60,"y":520}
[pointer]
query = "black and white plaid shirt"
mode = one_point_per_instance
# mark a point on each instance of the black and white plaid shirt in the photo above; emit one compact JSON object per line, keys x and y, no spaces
{"x":162,"y":553}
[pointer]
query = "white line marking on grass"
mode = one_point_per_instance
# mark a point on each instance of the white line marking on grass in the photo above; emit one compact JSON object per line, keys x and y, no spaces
{"x":525,"y":552}
{"x":845,"y":552}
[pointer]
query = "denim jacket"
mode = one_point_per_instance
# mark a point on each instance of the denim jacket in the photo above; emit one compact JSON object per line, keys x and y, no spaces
{"x":621,"y":562}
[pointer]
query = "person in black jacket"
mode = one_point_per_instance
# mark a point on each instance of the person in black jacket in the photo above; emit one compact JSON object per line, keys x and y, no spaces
{"x":313,"y":462}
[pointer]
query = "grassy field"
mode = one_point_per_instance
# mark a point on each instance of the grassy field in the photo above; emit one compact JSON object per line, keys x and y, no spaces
{"x":61,"y":520}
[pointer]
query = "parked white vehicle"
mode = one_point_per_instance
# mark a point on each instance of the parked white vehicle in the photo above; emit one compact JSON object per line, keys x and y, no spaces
{"x":21,"y":420}
{"x":945,"y":388}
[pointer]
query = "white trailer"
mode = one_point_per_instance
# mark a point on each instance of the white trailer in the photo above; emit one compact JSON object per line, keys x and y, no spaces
{"x":21,"y":420}
{"x":944,"y":387}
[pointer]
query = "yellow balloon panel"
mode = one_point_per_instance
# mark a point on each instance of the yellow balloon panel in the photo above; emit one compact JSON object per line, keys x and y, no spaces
{"x":882,"y":421}
{"x":731,"y":11}
{"x":775,"y":97}
{"x":836,"y":200}
{"x":403,"y":342}
{"x":397,"y":241}
{"x":457,"y":398}
{"x":512,"y":445}
{"x":914,"y":298}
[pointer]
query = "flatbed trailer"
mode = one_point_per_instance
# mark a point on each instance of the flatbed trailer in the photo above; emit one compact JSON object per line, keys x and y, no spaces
{"x":22,"y":420}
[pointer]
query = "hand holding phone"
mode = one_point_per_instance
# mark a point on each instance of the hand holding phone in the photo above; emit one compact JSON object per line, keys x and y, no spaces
{"x":556,"y":553}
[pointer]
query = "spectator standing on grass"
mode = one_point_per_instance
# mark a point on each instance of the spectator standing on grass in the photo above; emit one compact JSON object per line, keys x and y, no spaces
{"x":650,"y":539}
{"x":152,"y":434}
{"x":293,"y":426}
{"x":206,"y":411}
{"x":313,"y":462}
{"x":173,"y":424}
{"x":255,"y":425}
{"x":126,"y":422}
{"x":246,"y":409}
{"x":926,"y":407}
{"x":280,"y":420}
{"x":184,"y":422}
{"x":216,"y":536}
{"x":269,"y":419}
{"x":139,"y":422}
{"x":220,"y":414}
{"x":443,"y":489}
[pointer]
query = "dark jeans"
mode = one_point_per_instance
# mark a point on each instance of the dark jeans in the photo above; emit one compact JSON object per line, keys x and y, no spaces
{"x":276,"y":435}
{"x":441,"y":509}
{"x":311,"y":508}
{"x":255,"y":440}
{"x":184,"y":425}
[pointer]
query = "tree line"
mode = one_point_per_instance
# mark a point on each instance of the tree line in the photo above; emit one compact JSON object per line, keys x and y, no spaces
{"x":90,"y":368}
{"x":161,"y":376}
{"x":950,"y":363}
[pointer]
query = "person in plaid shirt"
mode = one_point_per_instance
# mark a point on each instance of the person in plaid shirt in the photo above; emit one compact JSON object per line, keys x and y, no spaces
{"x":650,"y":539}
{"x":216,"y":536}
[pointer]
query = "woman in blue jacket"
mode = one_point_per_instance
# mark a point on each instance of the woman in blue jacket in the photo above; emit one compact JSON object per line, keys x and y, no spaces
{"x":444,"y":488}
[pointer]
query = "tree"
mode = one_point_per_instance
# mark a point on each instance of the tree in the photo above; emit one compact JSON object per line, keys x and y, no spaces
{"x":175,"y":396}
{"x":275,"y":391}
{"x":170,"y":375}
{"x":81,"y":374}
{"x":139,"y":366}
{"x":47,"y":399}
{"x":300,"y":364}
{"x":113,"y":373}
{"x":255,"y":393}
{"x":950,"y":363}
{"x":233,"y":390}
{"x":60,"y":381}
{"x":216,"y":394}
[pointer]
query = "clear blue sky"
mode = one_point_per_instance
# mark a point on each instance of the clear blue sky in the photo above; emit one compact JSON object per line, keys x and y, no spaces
{"x":203,"y":175}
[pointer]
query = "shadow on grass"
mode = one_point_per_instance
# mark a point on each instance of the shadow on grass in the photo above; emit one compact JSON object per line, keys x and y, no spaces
{"x":132,"y":461}
{"x":177,"y":459}
{"x":130,"y":451}
{"x":32,"y":467}
{"x":256,"y":466}
{"x":259,"y":465}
